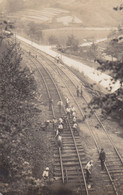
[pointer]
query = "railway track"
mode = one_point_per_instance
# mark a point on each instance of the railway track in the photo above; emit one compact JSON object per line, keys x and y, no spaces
{"x":69,"y":162}
{"x":114,"y":163}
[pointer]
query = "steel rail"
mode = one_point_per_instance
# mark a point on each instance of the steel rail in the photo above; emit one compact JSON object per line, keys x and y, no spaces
{"x":52,"y":112}
{"x":110,"y":139}
{"x":62,"y":169}
{"x":114,"y":187}
{"x":86,"y":121}
{"x":98,"y":150}
{"x":82,"y":171}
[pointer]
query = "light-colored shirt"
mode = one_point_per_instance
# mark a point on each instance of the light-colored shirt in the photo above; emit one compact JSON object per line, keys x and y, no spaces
{"x":45,"y":174}
{"x":67,"y":100}
{"x":73,"y":109}
{"x":74,"y":119}
{"x":89,"y":166}
{"x":74,"y":114}
{"x":60,"y":120}
{"x":68,"y":110}
{"x":54,"y":121}
{"x":59,"y":103}
{"x":60,"y":138}
{"x":75,"y":126}
{"x":60,"y":126}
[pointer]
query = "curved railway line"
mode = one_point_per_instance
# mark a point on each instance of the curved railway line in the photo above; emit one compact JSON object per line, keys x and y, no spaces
{"x":114,"y":162}
{"x":68,"y":167}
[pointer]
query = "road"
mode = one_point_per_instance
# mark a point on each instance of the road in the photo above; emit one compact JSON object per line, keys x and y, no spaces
{"x":97,"y":77}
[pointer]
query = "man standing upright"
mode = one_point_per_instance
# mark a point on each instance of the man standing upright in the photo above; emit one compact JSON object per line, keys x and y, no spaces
{"x":102,"y":157}
{"x":60,"y":105}
{"x":77,"y":91}
{"x":50,"y":103}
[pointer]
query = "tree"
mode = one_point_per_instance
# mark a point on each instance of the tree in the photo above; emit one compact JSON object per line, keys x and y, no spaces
{"x":72,"y":42}
{"x":93,"y":50}
{"x":17,"y":84}
{"x":53,"y":40}
{"x":33,"y":30}
{"x":112,"y":103}
{"x":118,"y":8}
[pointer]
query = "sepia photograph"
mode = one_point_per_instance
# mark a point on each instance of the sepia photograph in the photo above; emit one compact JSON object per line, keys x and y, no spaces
{"x":61,"y":97}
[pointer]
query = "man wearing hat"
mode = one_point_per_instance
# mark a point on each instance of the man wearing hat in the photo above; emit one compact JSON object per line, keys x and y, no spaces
{"x":102,"y":157}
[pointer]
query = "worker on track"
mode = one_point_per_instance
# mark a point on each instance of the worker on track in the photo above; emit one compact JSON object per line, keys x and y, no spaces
{"x":55,"y":122}
{"x":60,"y":128}
{"x":74,"y":128}
{"x":60,"y":105}
{"x":74,"y":120}
{"x":46,"y":173}
{"x":59,"y":141}
{"x":67,"y":102}
{"x":77,"y":91}
{"x":102,"y":157}
{"x":50,"y":104}
{"x":81,"y":92}
{"x":74,"y":114}
{"x":72,"y":109}
{"x":68,"y":110}
{"x":88,"y":169}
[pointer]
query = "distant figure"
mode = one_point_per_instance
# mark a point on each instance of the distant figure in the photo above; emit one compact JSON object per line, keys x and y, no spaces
{"x":60,"y":128}
{"x":54,"y":121}
{"x":74,"y":120}
{"x":60,"y":121}
{"x":74,"y":128}
{"x":67,"y":102}
{"x":102,"y":157}
{"x":60,"y":104}
{"x":50,"y":104}
{"x":72,"y":110}
{"x":68,"y":110}
{"x":88,"y":169}
{"x":81,"y":92}
{"x":58,"y":59}
{"x":46,"y":124}
{"x":59,"y":141}
{"x":74,"y":114}
{"x":65,"y":121}
{"x":46,"y":173}
{"x":77,"y":91}
{"x":57,"y":133}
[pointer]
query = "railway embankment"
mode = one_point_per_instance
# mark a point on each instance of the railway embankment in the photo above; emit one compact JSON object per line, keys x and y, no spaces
{"x":96,"y":76}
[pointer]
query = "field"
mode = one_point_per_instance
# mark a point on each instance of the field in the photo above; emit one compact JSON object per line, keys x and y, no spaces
{"x":79,"y":33}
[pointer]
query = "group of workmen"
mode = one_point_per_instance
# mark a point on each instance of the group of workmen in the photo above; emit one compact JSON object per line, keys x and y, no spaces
{"x":88,"y":167}
{"x":59,"y":124}
{"x":79,"y":93}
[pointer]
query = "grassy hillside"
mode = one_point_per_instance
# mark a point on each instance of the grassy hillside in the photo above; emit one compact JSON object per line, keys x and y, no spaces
{"x":94,"y":12}
{"x":91,"y":12}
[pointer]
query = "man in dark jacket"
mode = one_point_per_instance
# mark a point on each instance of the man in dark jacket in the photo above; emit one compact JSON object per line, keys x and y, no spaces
{"x":102,"y":157}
